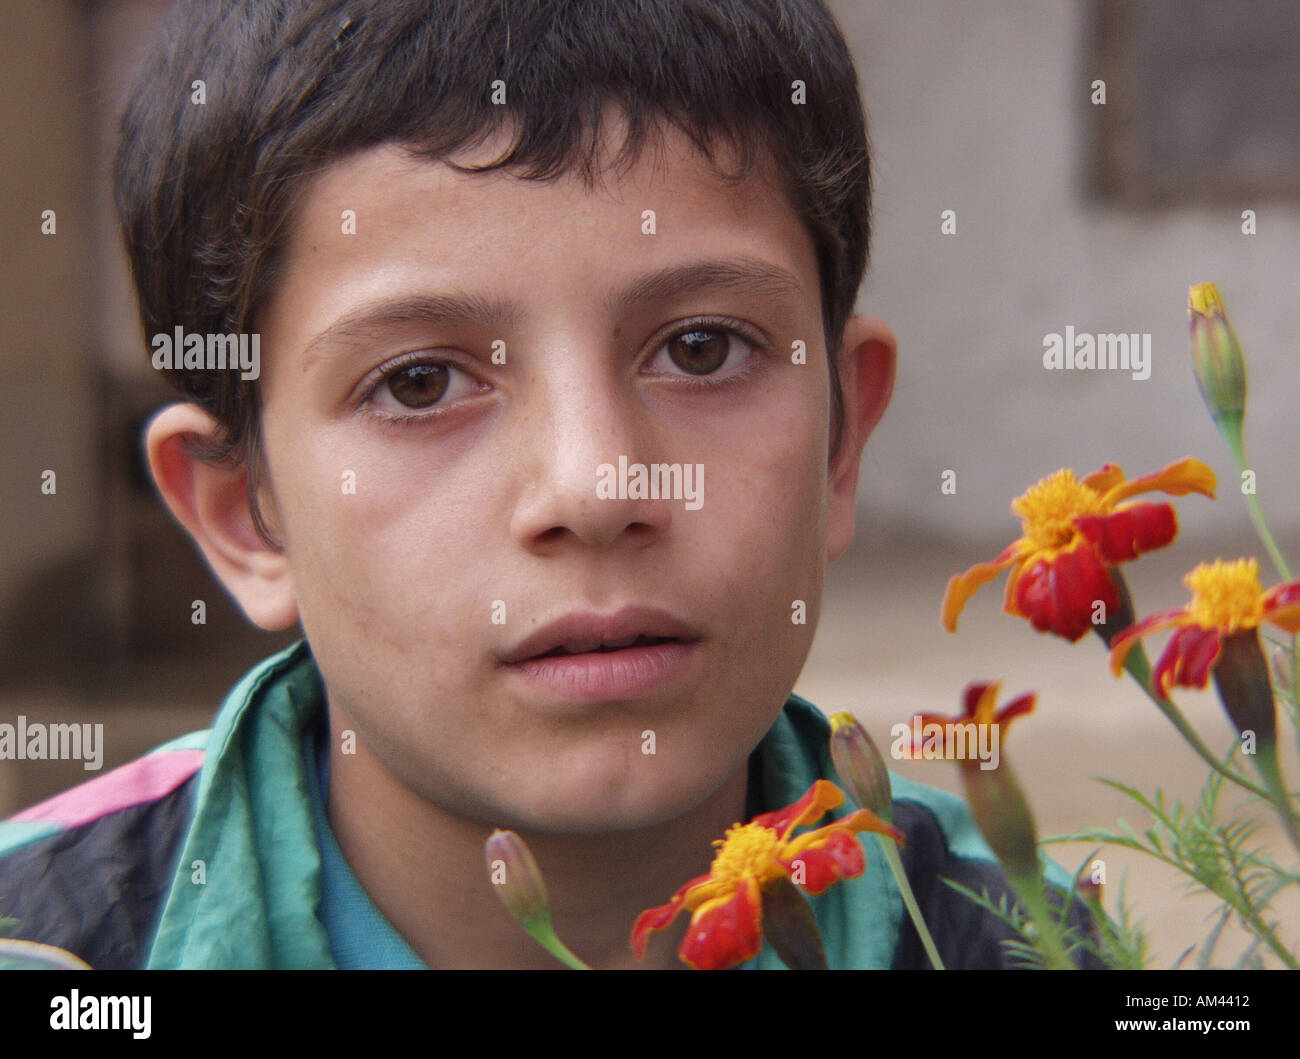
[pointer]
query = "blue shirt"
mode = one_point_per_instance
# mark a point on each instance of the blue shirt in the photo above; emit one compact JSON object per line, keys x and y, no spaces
{"x":360,"y":936}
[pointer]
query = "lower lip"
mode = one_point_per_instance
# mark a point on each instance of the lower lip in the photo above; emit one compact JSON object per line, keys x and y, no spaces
{"x":603,"y":675}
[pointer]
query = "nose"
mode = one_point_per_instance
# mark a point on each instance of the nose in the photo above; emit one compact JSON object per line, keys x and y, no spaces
{"x":577,"y":427}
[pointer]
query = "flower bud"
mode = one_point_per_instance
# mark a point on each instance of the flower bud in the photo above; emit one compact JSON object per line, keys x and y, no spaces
{"x":1002,"y":812}
{"x":791,"y":928}
{"x":860,"y":766}
{"x":1220,"y":367}
{"x":1090,"y":884}
{"x":516,"y":878}
{"x":1241,"y":678}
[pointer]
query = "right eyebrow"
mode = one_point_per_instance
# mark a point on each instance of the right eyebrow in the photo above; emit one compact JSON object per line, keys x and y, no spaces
{"x":374,"y":318}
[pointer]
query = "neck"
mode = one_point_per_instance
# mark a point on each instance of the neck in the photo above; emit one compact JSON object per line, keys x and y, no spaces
{"x":424,"y":868}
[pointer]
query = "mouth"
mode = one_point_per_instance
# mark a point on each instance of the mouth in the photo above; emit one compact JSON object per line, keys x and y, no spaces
{"x":594,"y":647}
{"x":633,"y":628}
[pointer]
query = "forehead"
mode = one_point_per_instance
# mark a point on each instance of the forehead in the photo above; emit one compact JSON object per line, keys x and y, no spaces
{"x":384,"y":221}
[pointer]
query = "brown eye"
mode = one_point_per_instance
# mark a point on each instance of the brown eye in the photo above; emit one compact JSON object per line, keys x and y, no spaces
{"x":419,"y":385}
{"x":700,"y":351}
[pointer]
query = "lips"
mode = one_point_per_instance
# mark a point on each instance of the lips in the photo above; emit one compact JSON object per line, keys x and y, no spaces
{"x":592,"y":633}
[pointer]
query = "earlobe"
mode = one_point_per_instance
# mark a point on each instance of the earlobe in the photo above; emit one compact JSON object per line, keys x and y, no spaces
{"x":868,"y":363}
{"x":211,"y":502}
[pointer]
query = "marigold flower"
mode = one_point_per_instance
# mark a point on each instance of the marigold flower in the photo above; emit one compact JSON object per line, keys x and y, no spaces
{"x":726,"y":903}
{"x":1221,"y":622}
{"x":997,"y":803}
{"x":1073,"y":531}
{"x":979,"y":706}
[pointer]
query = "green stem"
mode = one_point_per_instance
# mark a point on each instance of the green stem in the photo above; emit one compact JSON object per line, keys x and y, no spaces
{"x":1048,"y":930}
{"x":1295,"y":687}
{"x":1267,"y":764}
{"x":1266,"y":932}
{"x":909,"y":900}
{"x":544,"y":934}
{"x":1230,"y":428}
{"x":1231,"y":432}
{"x":1230,"y":897}
{"x":1274,"y":792}
{"x":1139,"y":668}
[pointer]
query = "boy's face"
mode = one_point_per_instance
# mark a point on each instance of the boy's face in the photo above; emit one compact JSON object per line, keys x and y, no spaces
{"x":423,"y":553}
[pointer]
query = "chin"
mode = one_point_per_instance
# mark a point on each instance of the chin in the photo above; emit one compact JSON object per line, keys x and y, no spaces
{"x":622,"y":803}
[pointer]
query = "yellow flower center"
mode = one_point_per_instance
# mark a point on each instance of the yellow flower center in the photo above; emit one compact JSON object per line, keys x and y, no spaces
{"x":1047,"y":509}
{"x":746,"y":851}
{"x":1227,"y":596}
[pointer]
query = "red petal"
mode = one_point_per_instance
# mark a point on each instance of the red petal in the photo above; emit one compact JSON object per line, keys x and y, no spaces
{"x":1017,"y":707}
{"x":658,"y":918}
{"x":1057,"y":595}
{"x":1127,"y":533}
{"x":837,"y":856}
{"x":1187,"y":659}
{"x":1282,"y":606}
{"x":725,"y":932}
{"x":964,"y":585}
{"x":820,"y":797}
{"x":974,"y":693}
{"x":650,"y":920}
{"x":1178,"y":479}
{"x":1122,"y":644}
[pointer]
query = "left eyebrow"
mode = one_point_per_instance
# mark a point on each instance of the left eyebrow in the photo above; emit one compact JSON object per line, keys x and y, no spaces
{"x":750,"y":275}
{"x":746,"y":274}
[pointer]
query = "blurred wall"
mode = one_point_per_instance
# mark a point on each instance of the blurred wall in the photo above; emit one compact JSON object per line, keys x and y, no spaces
{"x":982,"y":107}
{"x":47,"y":396}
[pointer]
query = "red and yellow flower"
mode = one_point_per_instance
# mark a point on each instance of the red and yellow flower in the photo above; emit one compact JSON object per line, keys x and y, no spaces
{"x":726,"y":903}
{"x":979,"y":705}
{"x":1228,"y":605}
{"x":996,"y":800}
{"x":1072,"y":532}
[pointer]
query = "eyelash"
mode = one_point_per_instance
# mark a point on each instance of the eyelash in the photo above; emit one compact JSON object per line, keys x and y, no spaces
{"x":727,"y":325}
{"x":724,"y":324}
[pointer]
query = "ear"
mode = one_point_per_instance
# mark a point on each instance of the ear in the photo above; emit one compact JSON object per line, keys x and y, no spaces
{"x":211,"y":502}
{"x":868,"y":360}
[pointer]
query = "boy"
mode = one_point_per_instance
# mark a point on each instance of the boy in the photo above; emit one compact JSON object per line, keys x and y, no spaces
{"x":556,"y":419}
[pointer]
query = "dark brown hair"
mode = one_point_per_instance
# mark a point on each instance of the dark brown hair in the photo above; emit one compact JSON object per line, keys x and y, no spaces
{"x":205,"y":191}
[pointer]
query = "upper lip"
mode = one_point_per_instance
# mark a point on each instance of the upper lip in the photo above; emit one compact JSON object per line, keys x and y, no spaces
{"x":580,"y":627}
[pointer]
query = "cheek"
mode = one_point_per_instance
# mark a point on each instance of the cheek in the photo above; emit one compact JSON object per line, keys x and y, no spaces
{"x":769,"y":532}
{"x":380,"y":556}
{"x":774,"y":496}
